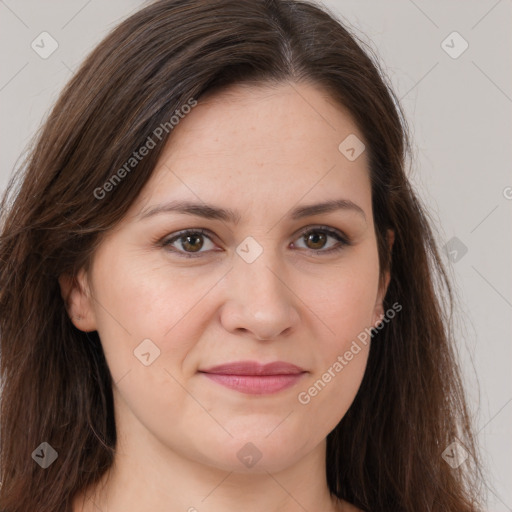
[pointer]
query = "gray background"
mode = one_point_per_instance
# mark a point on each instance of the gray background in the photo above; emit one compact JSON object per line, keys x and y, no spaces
{"x":459,"y":111}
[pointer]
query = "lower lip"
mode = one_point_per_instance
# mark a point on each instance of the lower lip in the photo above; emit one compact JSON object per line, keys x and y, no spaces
{"x":256,"y":384}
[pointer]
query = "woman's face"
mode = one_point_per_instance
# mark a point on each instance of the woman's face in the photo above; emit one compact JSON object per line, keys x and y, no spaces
{"x":269,"y":279}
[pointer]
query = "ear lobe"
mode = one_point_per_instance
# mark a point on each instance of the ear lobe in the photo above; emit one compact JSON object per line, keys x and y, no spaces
{"x":78,"y":301}
{"x":379,"y":307}
{"x":378,"y":312}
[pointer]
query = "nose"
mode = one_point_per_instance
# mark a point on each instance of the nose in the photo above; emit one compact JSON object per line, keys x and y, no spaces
{"x":261,"y":302}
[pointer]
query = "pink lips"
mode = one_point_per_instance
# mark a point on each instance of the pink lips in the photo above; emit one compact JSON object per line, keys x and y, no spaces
{"x":254,"y":378}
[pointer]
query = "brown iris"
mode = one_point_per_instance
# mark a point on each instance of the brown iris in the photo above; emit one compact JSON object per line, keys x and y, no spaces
{"x":189,"y":244}
{"x":317,"y":238}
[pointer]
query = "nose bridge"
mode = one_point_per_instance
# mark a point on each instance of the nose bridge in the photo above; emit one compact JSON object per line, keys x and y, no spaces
{"x":261,"y":269}
{"x":262,"y":278}
{"x":260,"y":299}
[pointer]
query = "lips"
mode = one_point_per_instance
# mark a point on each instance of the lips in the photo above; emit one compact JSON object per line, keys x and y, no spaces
{"x":252,"y":377}
{"x":255,"y":368}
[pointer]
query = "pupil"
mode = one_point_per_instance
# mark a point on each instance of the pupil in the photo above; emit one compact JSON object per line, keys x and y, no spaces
{"x":318,"y":238}
{"x":193,"y":247}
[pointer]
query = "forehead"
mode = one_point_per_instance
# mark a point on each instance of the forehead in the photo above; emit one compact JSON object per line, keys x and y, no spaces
{"x":254,"y":145}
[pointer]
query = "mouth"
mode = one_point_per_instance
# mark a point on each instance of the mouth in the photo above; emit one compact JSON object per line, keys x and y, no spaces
{"x":253,"y":378}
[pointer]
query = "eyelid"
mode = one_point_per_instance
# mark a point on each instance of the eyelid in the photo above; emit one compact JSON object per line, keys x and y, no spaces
{"x":322,"y":227}
{"x":340,"y":236}
{"x":343,"y":240}
{"x":168,"y":240}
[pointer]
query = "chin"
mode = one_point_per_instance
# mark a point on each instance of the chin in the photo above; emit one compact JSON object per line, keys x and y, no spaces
{"x":254,"y":452}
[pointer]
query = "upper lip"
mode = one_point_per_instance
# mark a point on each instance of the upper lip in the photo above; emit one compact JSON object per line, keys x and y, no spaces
{"x":255,"y":368}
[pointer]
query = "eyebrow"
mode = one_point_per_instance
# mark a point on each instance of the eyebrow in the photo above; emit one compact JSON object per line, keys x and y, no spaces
{"x":214,"y":212}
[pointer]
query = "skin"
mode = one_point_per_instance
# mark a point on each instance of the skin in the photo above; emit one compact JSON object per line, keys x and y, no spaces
{"x":261,"y":151}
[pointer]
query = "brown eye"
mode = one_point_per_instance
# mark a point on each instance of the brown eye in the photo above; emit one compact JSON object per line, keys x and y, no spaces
{"x":315,"y":240}
{"x":189,"y":243}
{"x":192,"y":243}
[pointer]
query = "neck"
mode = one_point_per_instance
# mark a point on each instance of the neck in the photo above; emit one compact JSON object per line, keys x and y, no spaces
{"x":149,"y":475}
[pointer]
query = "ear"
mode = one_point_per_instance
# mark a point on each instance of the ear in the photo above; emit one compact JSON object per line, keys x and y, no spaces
{"x":378,"y":313}
{"x":78,"y":300}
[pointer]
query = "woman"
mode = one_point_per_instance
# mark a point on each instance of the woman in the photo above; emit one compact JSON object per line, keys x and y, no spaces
{"x":218,"y":289}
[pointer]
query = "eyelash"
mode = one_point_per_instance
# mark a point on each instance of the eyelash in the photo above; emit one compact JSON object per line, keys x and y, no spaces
{"x":338,"y":235}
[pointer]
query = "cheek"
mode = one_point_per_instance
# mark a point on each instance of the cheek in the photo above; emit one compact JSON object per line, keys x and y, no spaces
{"x":341,"y":356}
{"x":148,"y":322}
{"x":345,"y":303}
{"x":327,"y":396}
{"x":345,"y":297}
{"x":138,"y":302}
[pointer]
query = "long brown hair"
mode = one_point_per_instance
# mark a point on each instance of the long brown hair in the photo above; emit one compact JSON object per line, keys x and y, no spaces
{"x":386,"y":453}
